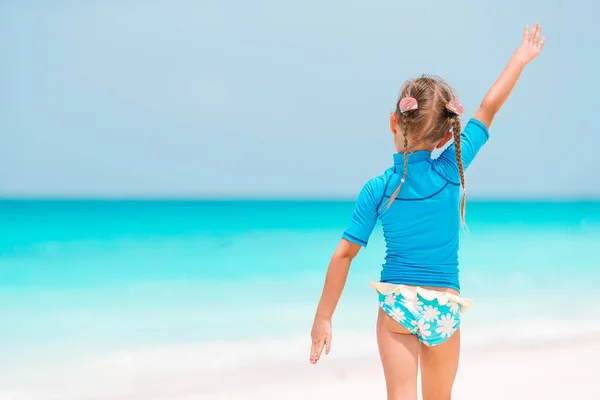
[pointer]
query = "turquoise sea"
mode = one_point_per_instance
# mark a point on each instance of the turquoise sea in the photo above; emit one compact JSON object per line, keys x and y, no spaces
{"x":88,"y":277}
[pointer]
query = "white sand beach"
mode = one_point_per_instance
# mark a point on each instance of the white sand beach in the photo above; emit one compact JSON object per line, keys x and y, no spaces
{"x":527,"y":368}
{"x":555,"y":370}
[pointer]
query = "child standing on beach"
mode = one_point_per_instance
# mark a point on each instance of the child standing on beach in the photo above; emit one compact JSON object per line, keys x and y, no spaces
{"x":417,"y":202}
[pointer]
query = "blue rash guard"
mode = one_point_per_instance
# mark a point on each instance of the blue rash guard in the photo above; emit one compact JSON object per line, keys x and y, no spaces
{"x":421,"y":227}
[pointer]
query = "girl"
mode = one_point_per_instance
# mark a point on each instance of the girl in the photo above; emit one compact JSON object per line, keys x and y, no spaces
{"x":417,"y":202}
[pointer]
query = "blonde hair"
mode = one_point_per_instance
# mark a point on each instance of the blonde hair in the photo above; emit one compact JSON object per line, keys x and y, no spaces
{"x":429,"y":123}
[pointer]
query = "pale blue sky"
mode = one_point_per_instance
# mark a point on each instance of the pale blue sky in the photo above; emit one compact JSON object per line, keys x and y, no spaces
{"x":280,"y":99}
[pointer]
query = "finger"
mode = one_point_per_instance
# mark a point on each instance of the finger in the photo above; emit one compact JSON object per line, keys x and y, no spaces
{"x":526,"y":34}
{"x":536,"y":35}
{"x":532,"y":33}
{"x":313,"y":353}
{"x":327,"y":344}
{"x":320,"y":347}
{"x":541,"y":43}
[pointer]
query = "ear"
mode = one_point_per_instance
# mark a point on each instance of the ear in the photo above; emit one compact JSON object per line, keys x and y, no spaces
{"x":393,"y":122}
{"x":442,"y":143}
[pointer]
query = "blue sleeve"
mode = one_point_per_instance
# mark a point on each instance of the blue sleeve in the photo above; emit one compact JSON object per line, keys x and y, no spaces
{"x":364,"y":216}
{"x":472,"y":139}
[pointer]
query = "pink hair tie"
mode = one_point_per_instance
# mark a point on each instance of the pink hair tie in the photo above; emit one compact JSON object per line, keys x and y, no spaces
{"x":455,"y":108}
{"x":408,"y":104}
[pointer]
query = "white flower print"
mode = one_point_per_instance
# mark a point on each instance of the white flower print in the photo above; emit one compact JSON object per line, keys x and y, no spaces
{"x":454,"y":306}
{"x":422,"y":328}
{"x":413,"y":305}
{"x":446,"y":326}
{"x":390,"y":299}
{"x":397,"y":314}
{"x":430,"y":313}
{"x":425,"y":343}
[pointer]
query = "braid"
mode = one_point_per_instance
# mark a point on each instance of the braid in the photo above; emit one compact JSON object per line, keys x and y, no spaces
{"x":456,"y":130}
{"x":404,"y":126}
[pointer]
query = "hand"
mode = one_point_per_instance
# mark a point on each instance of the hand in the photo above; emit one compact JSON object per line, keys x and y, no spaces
{"x":531,"y":46}
{"x":321,"y":337}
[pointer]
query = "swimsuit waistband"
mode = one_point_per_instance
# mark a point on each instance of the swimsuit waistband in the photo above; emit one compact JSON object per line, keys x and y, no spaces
{"x":410,"y":292}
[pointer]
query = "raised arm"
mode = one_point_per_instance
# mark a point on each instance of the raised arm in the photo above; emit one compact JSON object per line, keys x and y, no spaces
{"x":501,"y":89}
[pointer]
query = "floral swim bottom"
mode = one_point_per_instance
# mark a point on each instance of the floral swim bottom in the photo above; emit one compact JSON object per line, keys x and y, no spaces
{"x":430,"y":315}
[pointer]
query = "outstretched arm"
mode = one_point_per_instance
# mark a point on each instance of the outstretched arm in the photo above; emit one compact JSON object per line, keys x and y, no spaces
{"x":501,"y":89}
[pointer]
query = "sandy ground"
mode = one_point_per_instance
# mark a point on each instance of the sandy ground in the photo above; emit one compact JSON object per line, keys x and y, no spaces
{"x":556,"y":370}
{"x":548,"y":369}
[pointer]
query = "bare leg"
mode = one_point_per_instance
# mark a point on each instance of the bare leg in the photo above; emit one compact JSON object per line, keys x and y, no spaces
{"x":399,"y":351}
{"x":438,"y":368}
